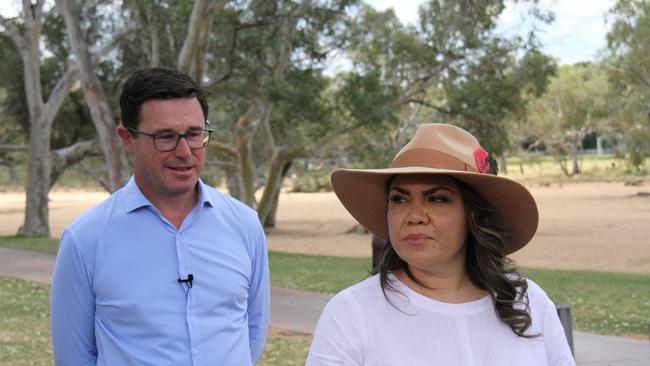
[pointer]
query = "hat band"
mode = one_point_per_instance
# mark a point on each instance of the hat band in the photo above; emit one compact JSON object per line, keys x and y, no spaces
{"x":432,"y":159}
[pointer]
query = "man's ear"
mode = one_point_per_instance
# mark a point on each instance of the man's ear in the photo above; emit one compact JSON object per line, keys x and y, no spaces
{"x":126,"y":138}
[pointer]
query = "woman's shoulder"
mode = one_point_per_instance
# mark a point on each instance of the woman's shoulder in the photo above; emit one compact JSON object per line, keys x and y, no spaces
{"x":368,"y":290}
{"x":535,"y":290}
{"x":538,"y":299}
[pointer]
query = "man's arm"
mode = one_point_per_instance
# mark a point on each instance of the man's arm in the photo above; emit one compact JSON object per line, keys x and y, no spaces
{"x":72,"y":308}
{"x":259,"y":298}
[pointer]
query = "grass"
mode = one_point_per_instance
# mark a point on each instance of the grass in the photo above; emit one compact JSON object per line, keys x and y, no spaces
{"x":25,"y":323}
{"x":31,"y":243}
{"x":25,"y":330}
{"x":295,"y":271}
{"x":285,"y":348}
{"x":601,"y":302}
{"x":543,"y":169}
{"x":316,"y":273}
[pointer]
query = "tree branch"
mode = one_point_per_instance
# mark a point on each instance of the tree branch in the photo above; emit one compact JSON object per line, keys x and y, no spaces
{"x":13,"y":147}
{"x":60,"y":92}
{"x":15,"y":35}
{"x":637,"y":74}
{"x":225,"y":148}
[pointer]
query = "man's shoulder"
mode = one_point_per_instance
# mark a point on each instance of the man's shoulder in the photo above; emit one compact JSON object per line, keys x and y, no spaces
{"x":97,"y":215}
{"x":229,"y":204}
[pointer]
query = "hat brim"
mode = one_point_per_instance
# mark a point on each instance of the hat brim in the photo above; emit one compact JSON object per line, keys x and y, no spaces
{"x":363,"y":193}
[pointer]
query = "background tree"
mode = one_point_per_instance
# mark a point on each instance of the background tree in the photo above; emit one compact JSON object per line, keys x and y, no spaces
{"x":25,"y":32}
{"x":575,"y":105}
{"x":44,"y":164}
{"x":451,"y":67}
{"x":629,"y":65}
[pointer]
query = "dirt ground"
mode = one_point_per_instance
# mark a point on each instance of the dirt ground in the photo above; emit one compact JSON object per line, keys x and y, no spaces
{"x":594,"y":226}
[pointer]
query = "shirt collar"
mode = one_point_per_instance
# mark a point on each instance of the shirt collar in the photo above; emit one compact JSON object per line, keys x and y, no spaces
{"x":204,"y":195}
{"x":135,"y":199}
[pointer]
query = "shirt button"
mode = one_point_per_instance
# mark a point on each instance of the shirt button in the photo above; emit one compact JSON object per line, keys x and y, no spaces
{"x":195,"y":350}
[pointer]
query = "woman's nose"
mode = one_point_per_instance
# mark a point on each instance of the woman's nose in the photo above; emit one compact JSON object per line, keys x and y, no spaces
{"x":417,"y":214}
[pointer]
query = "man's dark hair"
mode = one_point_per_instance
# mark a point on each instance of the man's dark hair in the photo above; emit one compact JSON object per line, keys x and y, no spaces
{"x":156,"y":83}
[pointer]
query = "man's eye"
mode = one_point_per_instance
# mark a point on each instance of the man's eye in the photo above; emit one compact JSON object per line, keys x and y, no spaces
{"x":194,"y":134}
{"x":166,"y":137}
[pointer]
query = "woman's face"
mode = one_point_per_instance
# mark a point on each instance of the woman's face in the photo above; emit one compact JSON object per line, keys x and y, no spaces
{"x":426,"y":221}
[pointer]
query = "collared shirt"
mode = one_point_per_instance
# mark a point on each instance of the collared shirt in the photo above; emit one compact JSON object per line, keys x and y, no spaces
{"x":116,"y":299}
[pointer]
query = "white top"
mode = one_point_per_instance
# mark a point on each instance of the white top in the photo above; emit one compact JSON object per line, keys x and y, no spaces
{"x":359,"y":327}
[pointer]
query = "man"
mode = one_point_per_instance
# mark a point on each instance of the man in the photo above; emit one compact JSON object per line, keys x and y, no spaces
{"x":167,"y":270}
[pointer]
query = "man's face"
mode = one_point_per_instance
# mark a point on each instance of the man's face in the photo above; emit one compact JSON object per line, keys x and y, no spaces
{"x":173,"y":174}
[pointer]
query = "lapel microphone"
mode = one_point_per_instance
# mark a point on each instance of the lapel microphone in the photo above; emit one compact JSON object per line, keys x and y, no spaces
{"x":187,"y":280}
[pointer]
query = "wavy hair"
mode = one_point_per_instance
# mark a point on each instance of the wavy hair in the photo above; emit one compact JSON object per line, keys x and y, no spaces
{"x":488,"y":267}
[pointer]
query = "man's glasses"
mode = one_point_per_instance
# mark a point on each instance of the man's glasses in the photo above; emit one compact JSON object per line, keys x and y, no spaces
{"x":168,"y":140}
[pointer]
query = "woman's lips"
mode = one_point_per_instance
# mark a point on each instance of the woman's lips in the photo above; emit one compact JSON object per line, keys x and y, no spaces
{"x":417,"y":239}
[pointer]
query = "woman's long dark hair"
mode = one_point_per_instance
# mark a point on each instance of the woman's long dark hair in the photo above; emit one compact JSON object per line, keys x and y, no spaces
{"x":488,"y":267}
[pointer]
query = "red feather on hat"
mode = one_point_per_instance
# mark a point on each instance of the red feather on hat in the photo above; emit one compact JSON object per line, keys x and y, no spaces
{"x":482,"y":162}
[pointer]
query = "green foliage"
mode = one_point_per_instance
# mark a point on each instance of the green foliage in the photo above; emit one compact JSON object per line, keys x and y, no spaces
{"x":638,"y":144}
{"x":575,"y":105}
{"x":629,"y":62}
{"x":367,"y":99}
{"x":313,"y":181}
{"x":450,"y":67}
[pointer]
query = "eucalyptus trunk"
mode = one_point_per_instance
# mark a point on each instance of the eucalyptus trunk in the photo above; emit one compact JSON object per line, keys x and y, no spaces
{"x":38,"y":177}
{"x":100,"y":111}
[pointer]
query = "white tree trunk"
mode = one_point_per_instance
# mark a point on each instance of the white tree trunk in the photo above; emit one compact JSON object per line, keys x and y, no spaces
{"x":38,"y":170}
{"x":114,"y":154}
{"x":192,"y":55}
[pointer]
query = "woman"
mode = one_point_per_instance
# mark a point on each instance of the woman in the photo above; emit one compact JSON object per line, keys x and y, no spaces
{"x":444,"y":292}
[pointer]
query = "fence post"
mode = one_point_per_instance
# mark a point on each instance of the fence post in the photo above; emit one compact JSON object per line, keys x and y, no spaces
{"x":564,"y":313}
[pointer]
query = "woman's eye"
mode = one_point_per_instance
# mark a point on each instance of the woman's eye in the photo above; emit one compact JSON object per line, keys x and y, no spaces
{"x":438,"y":199}
{"x":396,"y":198}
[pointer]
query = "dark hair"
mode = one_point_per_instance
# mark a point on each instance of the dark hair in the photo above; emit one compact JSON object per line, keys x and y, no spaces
{"x":157,"y":83}
{"x":488,"y":267}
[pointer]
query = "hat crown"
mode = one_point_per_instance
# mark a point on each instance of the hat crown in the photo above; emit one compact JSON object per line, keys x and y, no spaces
{"x":440,"y":146}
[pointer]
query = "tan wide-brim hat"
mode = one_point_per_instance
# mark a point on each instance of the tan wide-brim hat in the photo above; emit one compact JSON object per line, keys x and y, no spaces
{"x":439,"y":149}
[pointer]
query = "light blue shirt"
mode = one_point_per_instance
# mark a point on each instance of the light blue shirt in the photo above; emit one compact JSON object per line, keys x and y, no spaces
{"x":116,"y":299}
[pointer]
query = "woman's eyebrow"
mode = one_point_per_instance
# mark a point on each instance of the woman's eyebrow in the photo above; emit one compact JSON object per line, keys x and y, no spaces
{"x":400,"y":190}
{"x":436,"y":189}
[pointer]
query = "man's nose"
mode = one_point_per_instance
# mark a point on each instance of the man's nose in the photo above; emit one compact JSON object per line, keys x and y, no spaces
{"x":183,"y":147}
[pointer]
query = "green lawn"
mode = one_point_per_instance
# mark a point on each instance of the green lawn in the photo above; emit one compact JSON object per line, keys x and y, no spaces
{"x":25,"y":330}
{"x":316,"y":273}
{"x":535,"y":169}
{"x":25,"y":323}
{"x":601,"y":302}
{"x":33,"y":243}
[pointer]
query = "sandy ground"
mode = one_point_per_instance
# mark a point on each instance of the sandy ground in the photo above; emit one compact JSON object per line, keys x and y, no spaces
{"x":596,"y":226}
